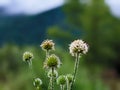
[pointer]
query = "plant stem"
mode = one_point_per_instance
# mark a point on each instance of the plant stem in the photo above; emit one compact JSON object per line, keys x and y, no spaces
{"x":30,"y":64}
{"x":75,"y":70}
{"x":51,"y":84}
{"x":62,"y":87}
{"x":37,"y":88}
{"x":52,"y":78}
{"x":47,"y":53}
{"x":68,"y":85}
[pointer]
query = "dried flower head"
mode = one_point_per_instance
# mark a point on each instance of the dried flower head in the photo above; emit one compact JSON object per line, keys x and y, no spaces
{"x":37,"y":82}
{"x":55,"y":74}
{"x":27,"y":56}
{"x":52,"y":62}
{"x":69,"y":78}
{"x":61,"y":80}
{"x":78,"y":47}
{"x":47,"y":45}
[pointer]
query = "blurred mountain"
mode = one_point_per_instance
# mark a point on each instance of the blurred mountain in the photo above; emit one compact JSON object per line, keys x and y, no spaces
{"x":28,"y":29}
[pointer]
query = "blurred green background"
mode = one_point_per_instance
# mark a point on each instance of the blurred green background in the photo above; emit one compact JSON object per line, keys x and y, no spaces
{"x":91,"y":21}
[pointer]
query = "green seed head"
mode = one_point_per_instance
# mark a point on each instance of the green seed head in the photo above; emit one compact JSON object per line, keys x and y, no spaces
{"x":55,"y":74}
{"x":69,"y":77}
{"x":27,"y":56}
{"x":61,"y":80}
{"x":52,"y":62}
{"x":37,"y":82}
{"x":47,"y":45}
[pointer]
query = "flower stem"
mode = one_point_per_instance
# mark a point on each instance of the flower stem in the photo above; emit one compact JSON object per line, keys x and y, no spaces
{"x":52,"y":78}
{"x":62,"y":87}
{"x":37,"y":88}
{"x":68,"y":86}
{"x":75,"y":70}
{"x":47,"y":53}
{"x":30,"y":64}
{"x":51,"y":84}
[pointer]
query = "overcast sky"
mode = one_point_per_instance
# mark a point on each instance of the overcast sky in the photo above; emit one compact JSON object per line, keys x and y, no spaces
{"x":30,"y":7}
{"x":114,"y":7}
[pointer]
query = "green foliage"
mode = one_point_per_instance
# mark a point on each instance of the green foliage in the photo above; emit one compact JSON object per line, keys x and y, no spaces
{"x":61,"y":36}
{"x":57,"y":32}
{"x":101,"y":29}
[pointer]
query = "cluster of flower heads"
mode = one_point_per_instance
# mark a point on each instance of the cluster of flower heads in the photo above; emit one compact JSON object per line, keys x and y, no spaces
{"x":53,"y":61}
{"x":64,"y":79}
{"x":78,"y":47}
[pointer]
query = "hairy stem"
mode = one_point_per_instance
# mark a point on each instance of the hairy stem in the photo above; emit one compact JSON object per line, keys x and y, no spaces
{"x":51,"y":84}
{"x":37,"y":88}
{"x":30,"y":64}
{"x":62,"y":87}
{"x":68,"y":85}
{"x":47,"y":53}
{"x":75,"y":70}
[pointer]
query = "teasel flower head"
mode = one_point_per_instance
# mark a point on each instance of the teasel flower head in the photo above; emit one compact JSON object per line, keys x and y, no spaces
{"x":78,"y":47}
{"x":52,"y":62}
{"x":27,"y":56}
{"x":37,"y":82}
{"x":47,"y":45}
{"x":61,"y":80}
{"x":69,"y":78}
{"x":54,"y":74}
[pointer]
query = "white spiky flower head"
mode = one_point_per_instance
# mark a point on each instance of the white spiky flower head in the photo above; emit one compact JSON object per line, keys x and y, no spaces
{"x":78,"y":47}
{"x":27,"y":56}
{"x":47,"y":45}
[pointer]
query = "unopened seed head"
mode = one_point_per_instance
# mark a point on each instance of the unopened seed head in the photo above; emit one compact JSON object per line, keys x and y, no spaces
{"x":37,"y":82}
{"x":69,"y":78}
{"x":52,"y":62}
{"x":47,"y":45}
{"x":61,"y":80}
{"x":27,"y":56}
{"x":78,"y":47}
{"x":54,"y":74}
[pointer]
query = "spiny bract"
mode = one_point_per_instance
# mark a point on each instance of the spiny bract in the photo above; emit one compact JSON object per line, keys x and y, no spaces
{"x":52,"y":62}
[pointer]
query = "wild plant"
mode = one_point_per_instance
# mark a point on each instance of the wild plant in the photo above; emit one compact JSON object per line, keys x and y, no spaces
{"x":52,"y":63}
